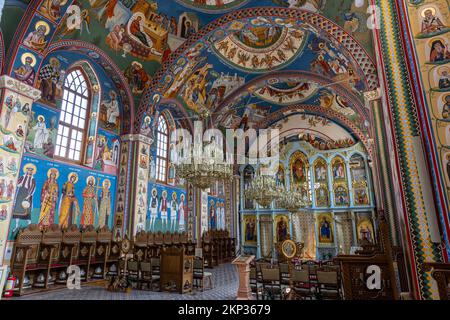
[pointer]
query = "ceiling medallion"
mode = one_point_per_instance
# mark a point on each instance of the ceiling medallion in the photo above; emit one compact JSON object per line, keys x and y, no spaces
{"x":260,"y":46}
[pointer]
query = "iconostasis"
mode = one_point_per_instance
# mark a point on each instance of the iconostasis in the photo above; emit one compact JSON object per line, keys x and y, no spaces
{"x":335,"y":179}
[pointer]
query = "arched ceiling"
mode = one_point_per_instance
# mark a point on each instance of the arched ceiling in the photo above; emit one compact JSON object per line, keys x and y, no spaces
{"x":224,"y":58}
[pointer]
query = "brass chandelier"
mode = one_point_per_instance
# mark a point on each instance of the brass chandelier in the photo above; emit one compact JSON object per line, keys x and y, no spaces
{"x":292,"y":200}
{"x":263,"y":189}
{"x":202,"y":170}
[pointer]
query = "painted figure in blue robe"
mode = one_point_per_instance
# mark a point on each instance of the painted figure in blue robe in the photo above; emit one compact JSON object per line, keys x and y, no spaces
{"x":212,"y":215}
{"x":325,"y":230}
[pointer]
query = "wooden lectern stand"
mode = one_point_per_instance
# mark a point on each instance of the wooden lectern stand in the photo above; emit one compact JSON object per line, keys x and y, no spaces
{"x":243,"y":264}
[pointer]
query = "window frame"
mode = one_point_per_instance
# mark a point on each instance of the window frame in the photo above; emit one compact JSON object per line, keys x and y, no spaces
{"x":166,"y":157}
{"x":87,"y":119}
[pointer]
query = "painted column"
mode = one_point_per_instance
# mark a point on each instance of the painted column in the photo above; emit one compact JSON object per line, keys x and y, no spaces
{"x":16,"y":101}
{"x":258,"y":236}
{"x":122,"y":202}
{"x":354,"y":231}
{"x":400,"y":110}
{"x":349,"y":182}
{"x":198,"y":212}
{"x":137,"y":178}
{"x":382,"y":145}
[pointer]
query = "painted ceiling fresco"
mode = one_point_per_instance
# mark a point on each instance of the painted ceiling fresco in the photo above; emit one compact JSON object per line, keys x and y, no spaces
{"x":238,"y":64}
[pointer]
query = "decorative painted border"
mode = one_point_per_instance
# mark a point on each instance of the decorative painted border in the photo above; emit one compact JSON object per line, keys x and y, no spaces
{"x":405,"y":125}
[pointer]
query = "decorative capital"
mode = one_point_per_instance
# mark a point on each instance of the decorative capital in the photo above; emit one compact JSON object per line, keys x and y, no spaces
{"x":137,"y":137}
{"x":6,"y":82}
{"x":372,"y":95}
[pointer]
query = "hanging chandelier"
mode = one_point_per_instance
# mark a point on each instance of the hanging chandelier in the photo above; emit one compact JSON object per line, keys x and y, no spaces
{"x":263,"y":189}
{"x":292,"y":200}
{"x":203,"y":169}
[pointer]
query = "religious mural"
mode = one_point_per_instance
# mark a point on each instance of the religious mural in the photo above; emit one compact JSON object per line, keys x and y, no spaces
{"x":250,"y":232}
{"x":281,"y":227}
{"x":15,"y":113}
{"x":56,"y":193}
{"x":107,"y":152}
{"x":167,"y":209}
{"x":365,"y":228}
{"x":359,"y":180}
{"x":300,"y":175}
{"x":325,"y":228}
{"x":216,"y":213}
{"x":321,"y":183}
{"x":42,"y":131}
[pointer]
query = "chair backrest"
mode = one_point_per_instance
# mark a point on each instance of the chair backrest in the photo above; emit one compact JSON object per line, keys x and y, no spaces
{"x":167,"y":238}
{"x":104,"y":234}
{"x":284,"y":267}
{"x":158,"y":239}
{"x":175,"y":238}
{"x":141,"y":239}
{"x":89,"y":234}
{"x":155,"y":262}
{"x":252,"y":273}
{"x":327,"y":277}
{"x":150,"y":239}
{"x":132,"y":265}
{"x":300,"y":276}
{"x":121,"y":264}
{"x":198,"y":264}
{"x":261,"y":265}
{"x":146,"y":266}
{"x":270,"y":274}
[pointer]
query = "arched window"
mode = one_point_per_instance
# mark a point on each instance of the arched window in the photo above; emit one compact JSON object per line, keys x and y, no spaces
{"x":73,"y":119}
{"x":162,"y":151}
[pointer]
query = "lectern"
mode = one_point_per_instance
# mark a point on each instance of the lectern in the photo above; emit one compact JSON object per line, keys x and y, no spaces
{"x":243,"y":265}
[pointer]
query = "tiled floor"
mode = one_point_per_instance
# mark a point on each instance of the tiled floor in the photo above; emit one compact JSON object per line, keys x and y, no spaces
{"x":225,"y":279}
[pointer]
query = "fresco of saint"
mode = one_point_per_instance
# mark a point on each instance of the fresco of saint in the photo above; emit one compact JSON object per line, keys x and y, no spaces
{"x":89,"y":203}
{"x":68,"y":207}
{"x":105,"y":204}
{"x":26,"y":186}
{"x":49,"y":198}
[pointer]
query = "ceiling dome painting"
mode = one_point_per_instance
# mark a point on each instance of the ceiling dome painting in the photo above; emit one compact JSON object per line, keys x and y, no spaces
{"x":261,"y":44}
{"x":213,"y":6}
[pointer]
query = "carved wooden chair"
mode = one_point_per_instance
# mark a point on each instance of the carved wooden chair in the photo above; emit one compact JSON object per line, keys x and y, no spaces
{"x":25,"y":255}
{"x":102,"y":247}
{"x":49,"y":253}
{"x":328,"y":285}
{"x":145,"y":275}
{"x":159,"y":243}
{"x":140,"y":246}
{"x":183,"y":238}
{"x":167,"y":239}
{"x":156,"y":266}
{"x":133,"y":274}
{"x":190,"y":248}
{"x":200,"y":275}
{"x":86,"y":250}
{"x":176,"y":239}
{"x":71,"y":238}
{"x":301,"y":284}
{"x":152,"y":249}
{"x":284,"y":273}
{"x":208,"y":249}
{"x":271,"y":282}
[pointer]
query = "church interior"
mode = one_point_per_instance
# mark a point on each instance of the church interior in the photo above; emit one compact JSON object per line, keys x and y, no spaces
{"x":224,"y":149}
